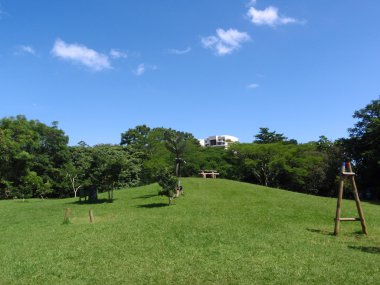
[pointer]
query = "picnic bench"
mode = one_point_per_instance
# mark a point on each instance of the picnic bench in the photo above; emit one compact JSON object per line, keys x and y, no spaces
{"x":210,"y":173}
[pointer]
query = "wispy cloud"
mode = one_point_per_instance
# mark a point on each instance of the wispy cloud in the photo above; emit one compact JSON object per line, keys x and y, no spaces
{"x":24,"y":50}
{"x":251,"y":3}
{"x":253,"y":86}
{"x":81,"y":54}
{"x":180,"y":51}
{"x":269,"y":16}
{"x":225,"y":42}
{"x":114,"y":53}
{"x":2,"y":12}
{"x":142,"y":68}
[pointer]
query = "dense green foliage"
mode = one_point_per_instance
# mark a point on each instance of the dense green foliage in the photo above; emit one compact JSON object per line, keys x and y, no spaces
{"x":221,"y":232}
{"x":36,"y":161}
{"x":168,"y":184}
{"x":266,"y":137}
{"x":31,"y":157}
{"x":161,"y":148}
{"x":363,"y":146}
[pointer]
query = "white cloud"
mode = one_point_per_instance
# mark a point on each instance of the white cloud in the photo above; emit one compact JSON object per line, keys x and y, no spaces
{"x":179,"y":51}
{"x":114,"y":53}
{"x":225,"y":42}
{"x":81,"y":54}
{"x":253,"y":86}
{"x":269,"y":16}
{"x":142,"y":68}
{"x":22,"y":49}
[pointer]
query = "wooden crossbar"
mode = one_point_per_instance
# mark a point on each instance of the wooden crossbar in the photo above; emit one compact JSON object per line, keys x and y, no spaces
{"x":348,"y":173}
{"x":351,"y":176}
{"x":349,"y":219}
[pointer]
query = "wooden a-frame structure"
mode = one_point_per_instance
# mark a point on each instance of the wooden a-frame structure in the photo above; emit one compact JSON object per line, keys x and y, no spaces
{"x":346,"y":172}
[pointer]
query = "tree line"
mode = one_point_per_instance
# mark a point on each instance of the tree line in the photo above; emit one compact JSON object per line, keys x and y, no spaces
{"x":36,"y":160}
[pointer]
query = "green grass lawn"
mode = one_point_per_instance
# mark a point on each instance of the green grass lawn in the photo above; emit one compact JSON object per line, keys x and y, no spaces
{"x":220,"y":232}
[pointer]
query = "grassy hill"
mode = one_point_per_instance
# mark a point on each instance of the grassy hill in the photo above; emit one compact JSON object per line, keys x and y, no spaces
{"x":220,"y":232}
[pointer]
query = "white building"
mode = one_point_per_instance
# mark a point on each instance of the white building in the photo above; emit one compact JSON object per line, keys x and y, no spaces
{"x":218,"y":141}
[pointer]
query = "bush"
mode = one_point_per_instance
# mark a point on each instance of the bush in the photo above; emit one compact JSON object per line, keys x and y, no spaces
{"x":168,"y":183}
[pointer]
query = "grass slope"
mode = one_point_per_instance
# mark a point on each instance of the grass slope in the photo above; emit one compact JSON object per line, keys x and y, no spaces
{"x":220,"y":232}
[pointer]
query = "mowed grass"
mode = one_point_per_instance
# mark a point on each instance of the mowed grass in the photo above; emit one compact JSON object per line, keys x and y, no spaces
{"x":219,"y":232}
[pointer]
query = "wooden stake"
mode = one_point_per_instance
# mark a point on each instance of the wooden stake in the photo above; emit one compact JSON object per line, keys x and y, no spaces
{"x":339,"y":206}
{"x":90,"y":213}
{"x":357,"y":201}
{"x":66,"y":219}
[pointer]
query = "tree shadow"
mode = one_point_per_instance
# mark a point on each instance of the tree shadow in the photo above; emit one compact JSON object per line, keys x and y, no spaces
{"x":88,"y":202}
{"x":322,"y":232}
{"x":153,"y":205}
{"x":146,"y":196}
{"x":358,"y":232}
{"x":368,"y":249}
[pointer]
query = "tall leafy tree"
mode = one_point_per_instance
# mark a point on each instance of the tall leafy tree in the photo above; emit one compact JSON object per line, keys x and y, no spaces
{"x":176,"y":143}
{"x":136,"y":140}
{"x":296,"y":167}
{"x":363,"y":146}
{"x":265,"y":136}
{"x":32,"y":151}
{"x":111,"y":167}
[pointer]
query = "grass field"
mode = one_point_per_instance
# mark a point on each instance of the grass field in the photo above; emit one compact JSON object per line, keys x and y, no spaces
{"x":220,"y":232}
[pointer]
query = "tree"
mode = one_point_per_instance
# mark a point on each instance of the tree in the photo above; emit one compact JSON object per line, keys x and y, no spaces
{"x":157,"y":148}
{"x":78,"y":169}
{"x":298,"y":168}
{"x":31,"y":150}
{"x":168,"y":184}
{"x":176,"y":144}
{"x":363,"y":146}
{"x":265,"y":136}
{"x":136,"y":140}
{"x":332,"y":152}
{"x":110,"y":164}
{"x":260,"y":162}
{"x":34,"y":185}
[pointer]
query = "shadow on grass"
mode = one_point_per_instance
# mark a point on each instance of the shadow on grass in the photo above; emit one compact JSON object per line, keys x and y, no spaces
{"x":98,"y":201}
{"x":146,"y":196}
{"x":368,"y":249}
{"x":153,"y":205}
{"x":359,"y":232}
{"x":322,"y":232}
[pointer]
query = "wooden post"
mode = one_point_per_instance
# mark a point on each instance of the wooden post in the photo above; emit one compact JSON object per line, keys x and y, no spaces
{"x":339,"y":206}
{"x":357,"y":201}
{"x":91,"y":214}
{"x":66,"y":219}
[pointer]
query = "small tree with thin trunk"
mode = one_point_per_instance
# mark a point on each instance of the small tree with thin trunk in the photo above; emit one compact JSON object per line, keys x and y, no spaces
{"x":74,"y":184}
{"x":176,"y":143}
{"x":168,"y":184}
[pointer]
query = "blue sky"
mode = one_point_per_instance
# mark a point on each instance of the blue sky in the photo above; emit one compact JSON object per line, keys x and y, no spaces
{"x":207,"y":67}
